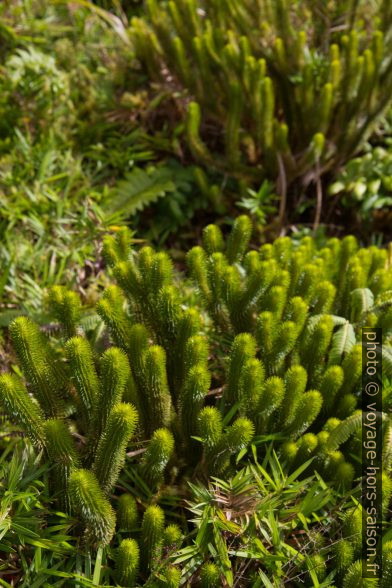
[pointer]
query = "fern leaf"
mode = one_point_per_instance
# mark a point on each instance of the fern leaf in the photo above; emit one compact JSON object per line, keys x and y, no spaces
{"x":140,"y":189}
{"x":344,"y":430}
{"x":387,"y":361}
{"x":387,"y":447}
{"x":314,"y":320}
{"x":342,"y":342}
{"x":362,"y":300}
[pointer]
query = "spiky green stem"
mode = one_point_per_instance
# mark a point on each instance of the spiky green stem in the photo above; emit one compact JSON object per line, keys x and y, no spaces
{"x":127,"y":563}
{"x":94,"y":509}
{"x":151,"y":536}
{"x":110,"y":455}
{"x":22,"y":408}
{"x":156,"y":458}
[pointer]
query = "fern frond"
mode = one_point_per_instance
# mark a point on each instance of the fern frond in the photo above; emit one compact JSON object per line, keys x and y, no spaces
{"x":139,"y":189}
{"x":362,"y":301}
{"x":344,"y":430}
{"x":342,"y":342}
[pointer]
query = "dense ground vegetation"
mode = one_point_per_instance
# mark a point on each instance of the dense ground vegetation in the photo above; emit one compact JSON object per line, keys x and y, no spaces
{"x":180,"y":382}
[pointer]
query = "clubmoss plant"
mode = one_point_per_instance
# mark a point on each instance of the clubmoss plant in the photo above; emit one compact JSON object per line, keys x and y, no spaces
{"x":151,"y":540}
{"x":90,"y":503}
{"x":126,"y":512}
{"x":75,"y":414}
{"x":127,"y":562}
{"x":247,"y":346}
{"x":270,"y":86}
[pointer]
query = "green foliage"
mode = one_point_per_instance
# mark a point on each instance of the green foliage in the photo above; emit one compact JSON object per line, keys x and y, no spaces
{"x":194,"y":387}
{"x":21,"y":407}
{"x":172,"y":536}
{"x":236,"y":438}
{"x":210,"y":576}
{"x":170,"y":189}
{"x":111,"y":448}
{"x":353,"y":577}
{"x":227,"y":513}
{"x":50,"y":197}
{"x":289,"y":372}
{"x":156,"y":458}
{"x":127,"y":514}
{"x":344,"y":554}
{"x":171,"y":577}
{"x":159,"y":402}
{"x":24,"y":500}
{"x":222,"y":357}
{"x":210,"y":426}
{"x":114,"y":371}
{"x":275,"y":93}
{"x":72,"y":160}
{"x":62,"y":453}
{"x":65,"y":306}
{"x":260,"y":204}
{"x":352,"y":527}
{"x":139,"y":189}
{"x":221,"y":444}
{"x":127,"y":562}
{"x":386,"y":563}
{"x":83,"y":373}
{"x":92,"y":506}
{"x":243,"y":349}
{"x":89,"y":409}
{"x":366,"y":182}
{"x":40,"y":365}
{"x":151,"y":536}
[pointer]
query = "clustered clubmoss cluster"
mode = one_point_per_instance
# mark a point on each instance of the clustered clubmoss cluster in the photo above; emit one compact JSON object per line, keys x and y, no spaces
{"x":276,"y":80}
{"x":73,"y":390}
{"x":249,"y":344}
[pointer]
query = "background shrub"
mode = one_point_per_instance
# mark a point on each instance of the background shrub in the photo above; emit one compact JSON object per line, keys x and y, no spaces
{"x":285,"y":90}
